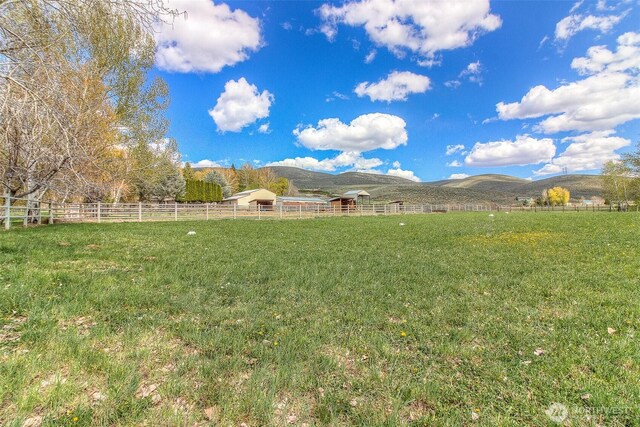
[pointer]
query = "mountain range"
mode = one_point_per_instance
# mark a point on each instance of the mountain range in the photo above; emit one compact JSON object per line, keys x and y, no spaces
{"x":488,"y":188}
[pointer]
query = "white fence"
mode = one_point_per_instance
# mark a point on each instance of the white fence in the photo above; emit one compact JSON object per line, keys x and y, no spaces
{"x":19,"y":211}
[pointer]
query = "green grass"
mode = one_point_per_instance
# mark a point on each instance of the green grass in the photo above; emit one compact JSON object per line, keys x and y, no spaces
{"x":338,"y":321}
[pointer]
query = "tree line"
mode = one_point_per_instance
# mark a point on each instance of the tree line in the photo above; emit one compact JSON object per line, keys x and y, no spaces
{"x":233,"y":180}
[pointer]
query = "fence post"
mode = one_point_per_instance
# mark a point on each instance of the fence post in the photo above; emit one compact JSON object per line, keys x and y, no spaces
{"x":207,"y":212}
{"x":299,"y":211}
{"x":175,"y":210}
{"x":7,"y":211}
{"x":281,"y":211}
{"x":234,"y":211}
{"x":259,"y":210}
{"x":139,"y":211}
{"x":99,"y":212}
{"x":50,"y":213}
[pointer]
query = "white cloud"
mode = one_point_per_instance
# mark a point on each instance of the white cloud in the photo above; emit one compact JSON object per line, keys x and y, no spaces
{"x":452,"y":149}
{"x":406,"y":174}
{"x":455,"y":164}
{"x":351,"y":159}
{"x":453,"y":84}
{"x":572,"y":24}
{"x":599,"y":58}
{"x":604,"y":100}
{"x":370,"y":56}
{"x":240,"y":105}
{"x":364,"y":133}
{"x":473,"y":72}
{"x":458,"y":176}
{"x":264,"y":128}
{"x":525,"y":150}
{"x":576,"y":6}
{"x":206,"y":38}
{"x":396,"y":87}
{"x":205,"y":163}
{"x":430,"y":61}
{"x":598,"y":102}
{"x":585,"y":152}
{"x":417,"y":26}
{"x":601,"y":5}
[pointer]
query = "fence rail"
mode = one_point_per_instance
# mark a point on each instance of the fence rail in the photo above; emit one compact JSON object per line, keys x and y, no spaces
{"x":26,"y":212}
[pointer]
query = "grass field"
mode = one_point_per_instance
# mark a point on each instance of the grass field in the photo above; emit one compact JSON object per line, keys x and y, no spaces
{"x":453,"y":319}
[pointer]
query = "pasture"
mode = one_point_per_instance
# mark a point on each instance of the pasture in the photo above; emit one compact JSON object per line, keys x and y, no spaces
{"x":456,"y":319}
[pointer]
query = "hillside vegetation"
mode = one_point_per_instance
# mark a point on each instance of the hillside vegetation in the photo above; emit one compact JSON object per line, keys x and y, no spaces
{"x":489,"y":188}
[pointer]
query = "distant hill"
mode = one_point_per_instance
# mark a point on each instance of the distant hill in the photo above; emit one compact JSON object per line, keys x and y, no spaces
{"x":491,"y":182}
{"x":578,"y":185}
{"x":319,"y":180}
{"x":488,"y":188}
{"x":585,"y":186}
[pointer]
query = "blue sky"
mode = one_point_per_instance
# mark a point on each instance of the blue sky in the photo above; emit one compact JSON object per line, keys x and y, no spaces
{"x":390,"y":87}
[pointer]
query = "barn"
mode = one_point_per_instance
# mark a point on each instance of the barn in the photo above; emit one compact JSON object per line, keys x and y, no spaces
{"x":350,"y":199}
{"x":252,"y":199}
{"x":301,"y":201}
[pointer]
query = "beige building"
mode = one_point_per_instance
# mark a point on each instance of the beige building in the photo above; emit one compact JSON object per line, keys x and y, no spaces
{"x":251,"y":198}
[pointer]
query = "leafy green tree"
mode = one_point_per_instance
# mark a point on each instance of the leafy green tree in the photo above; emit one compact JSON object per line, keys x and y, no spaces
{"x":187,"y":171}
{"x":216,"y":177}
{"x":616,"y":183}
{"x":170,"y":186}
{"x":558,"y":196}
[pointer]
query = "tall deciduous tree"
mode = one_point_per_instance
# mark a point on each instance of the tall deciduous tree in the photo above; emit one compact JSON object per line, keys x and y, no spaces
{"x":616,"y":182}
{"x":216,"y":177}
{"x":74,"y":100}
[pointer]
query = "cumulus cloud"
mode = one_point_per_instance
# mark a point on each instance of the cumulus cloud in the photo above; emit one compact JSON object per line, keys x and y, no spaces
{"x":452,"y":149}
{"x":417,"y":26}
{"x":458,"y":176}
{"x":406,"y":174}
{"x":396,"y":87}
{"x":525,"y":150}
{"x":573,"y":24}
{"x":605,"y":99}
{"x":599,"y":58}
{"x":455,"y":164}
{"x":240,"y":105}
{"x":351,"y":159}
{"x":598,"y":102}
{"x":364,"y":133}
{"x":206,"y":38}
{"x":585,"y":152}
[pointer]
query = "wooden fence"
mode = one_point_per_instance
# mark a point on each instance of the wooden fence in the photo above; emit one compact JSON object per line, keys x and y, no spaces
{"x":18,"y":211}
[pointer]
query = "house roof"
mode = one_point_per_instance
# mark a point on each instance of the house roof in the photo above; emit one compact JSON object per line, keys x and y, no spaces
{"x":245,"y":193}
{"x":302,"y":199}
{"x":356,"y":193}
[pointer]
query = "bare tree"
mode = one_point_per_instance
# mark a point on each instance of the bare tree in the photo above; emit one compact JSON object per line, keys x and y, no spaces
{"x":72,"y":92}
